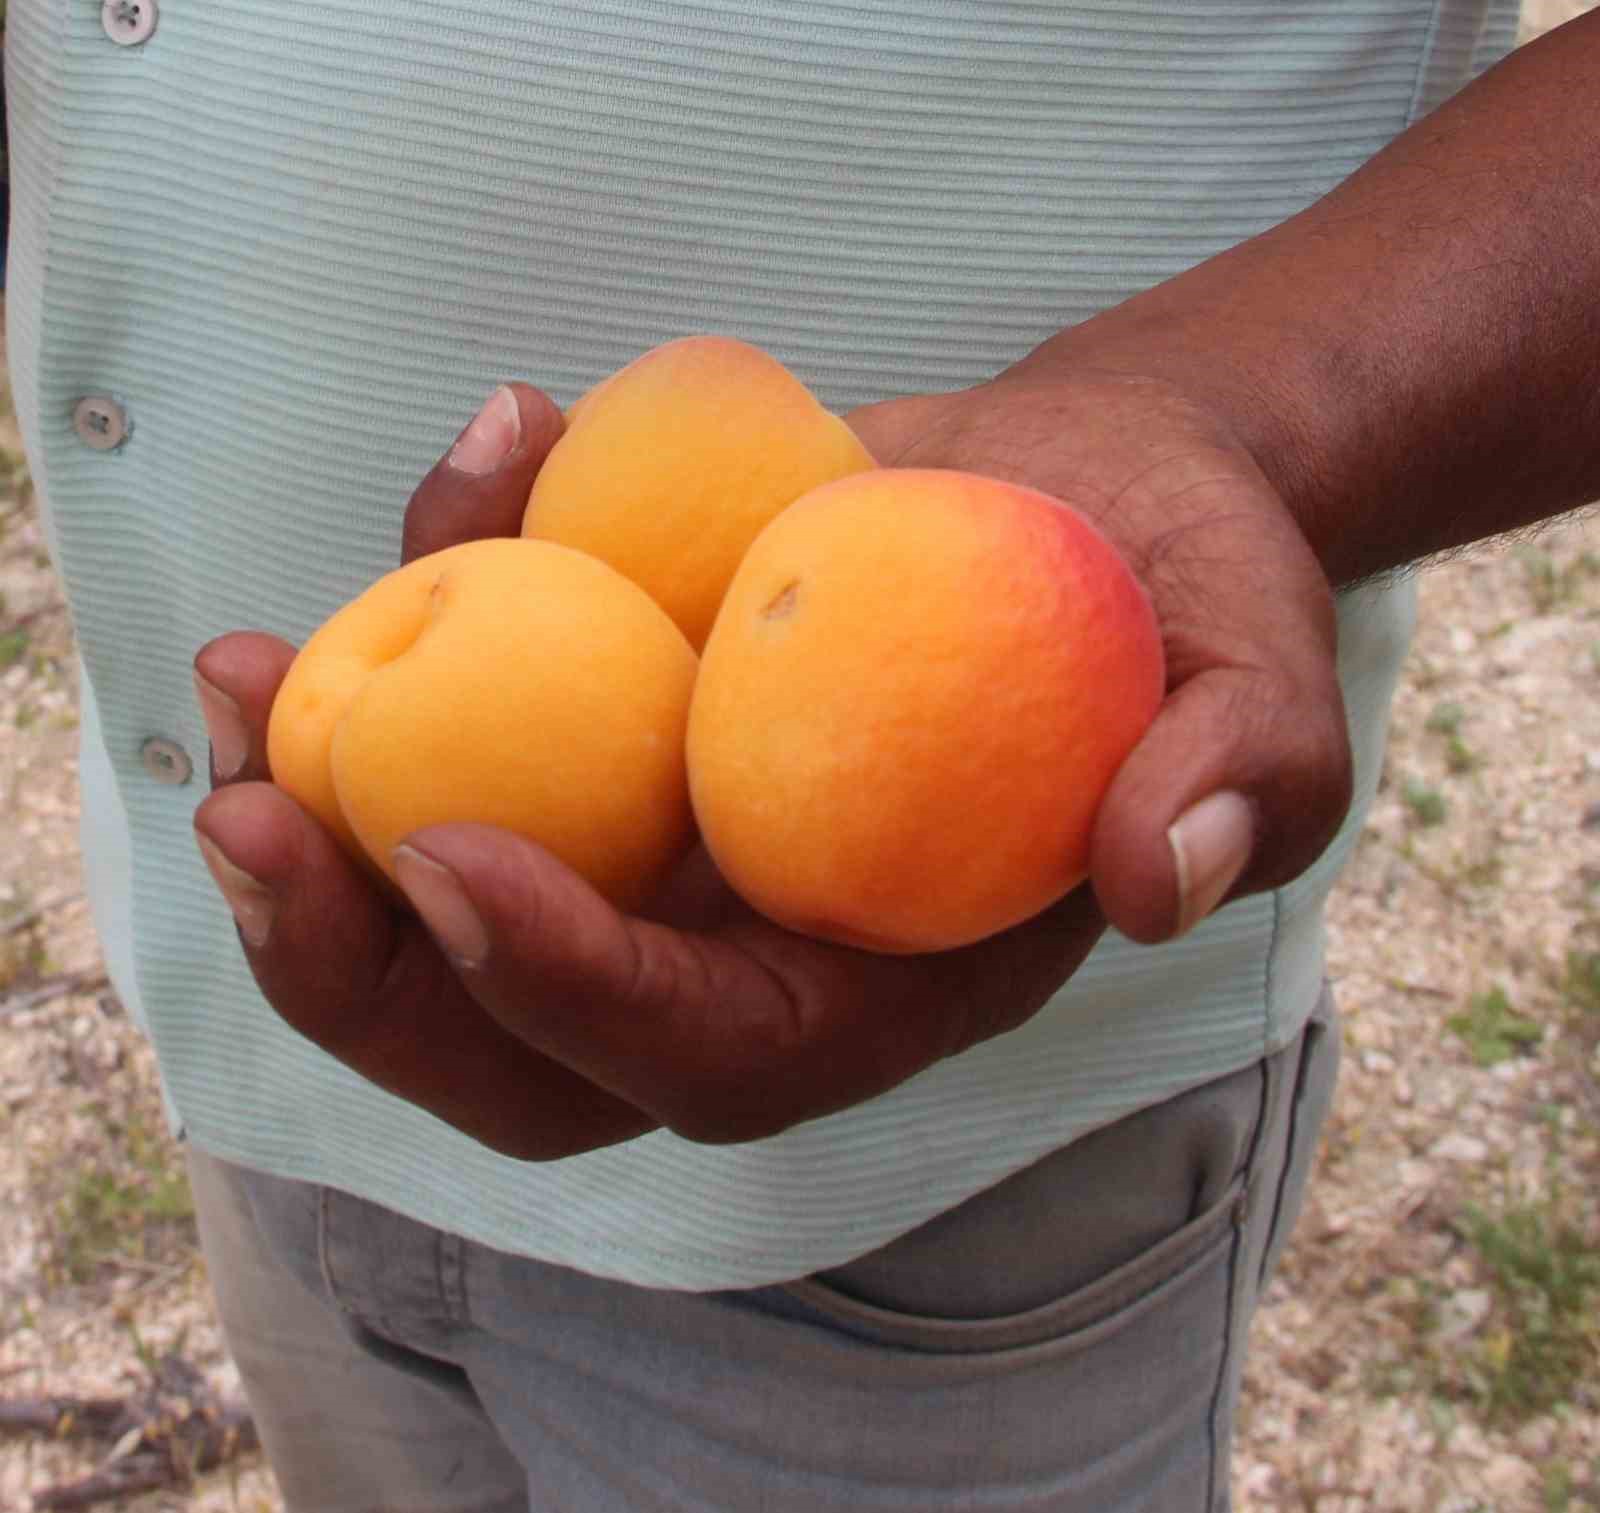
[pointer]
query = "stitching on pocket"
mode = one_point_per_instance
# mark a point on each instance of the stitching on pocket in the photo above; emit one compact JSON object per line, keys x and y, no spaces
{"x":1101,"y":1307}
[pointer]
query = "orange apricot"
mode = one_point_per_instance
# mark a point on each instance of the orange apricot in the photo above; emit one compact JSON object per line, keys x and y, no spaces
{"x":670,"y":468}
{"x":509,"y":682}
{"x":914,"y":698}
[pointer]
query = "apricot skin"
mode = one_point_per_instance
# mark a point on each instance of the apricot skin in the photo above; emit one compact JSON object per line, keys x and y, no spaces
{"x":508,"y":682}
{"x":670,"y":468}
{"x":916,"y":694}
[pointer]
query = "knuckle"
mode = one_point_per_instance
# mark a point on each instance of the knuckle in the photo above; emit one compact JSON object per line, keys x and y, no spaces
{"x":1319,"y":767}
{"x":754,"y":1083}
{"x":732,"y":1103}
{"x":1312,"y":785}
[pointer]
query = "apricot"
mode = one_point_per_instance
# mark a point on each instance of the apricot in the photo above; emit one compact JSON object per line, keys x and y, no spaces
{"x":914,"y":698}
{"x":510,"y":682}
{"x":669,"y":469}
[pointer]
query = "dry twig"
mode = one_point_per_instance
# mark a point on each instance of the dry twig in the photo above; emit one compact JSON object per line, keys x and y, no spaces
{"x":52,"y":987}
{"x":160,"y":1435}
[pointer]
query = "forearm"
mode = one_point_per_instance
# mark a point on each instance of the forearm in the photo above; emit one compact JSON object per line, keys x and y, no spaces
{"x":1413,"y":360}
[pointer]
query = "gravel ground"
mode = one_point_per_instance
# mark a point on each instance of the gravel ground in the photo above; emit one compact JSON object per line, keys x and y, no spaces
{"x":1430,"y":1343}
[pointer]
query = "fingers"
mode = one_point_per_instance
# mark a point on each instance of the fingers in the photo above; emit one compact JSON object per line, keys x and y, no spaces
{"x":480,"y":486}
{"x":347,"y":971}
{"x":721,"y":1035}
{"x":368,"y":985}
{"x":236,"y":678}
{"x":1245,"y":776}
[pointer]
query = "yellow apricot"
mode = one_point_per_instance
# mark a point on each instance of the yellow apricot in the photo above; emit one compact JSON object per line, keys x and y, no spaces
{"x":508,"y":682}
{"x":670,"y":468}
{"x":915,"y":696}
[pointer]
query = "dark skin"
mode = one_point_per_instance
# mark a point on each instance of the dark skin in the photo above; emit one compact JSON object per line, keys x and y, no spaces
{"x":1406,"y":367}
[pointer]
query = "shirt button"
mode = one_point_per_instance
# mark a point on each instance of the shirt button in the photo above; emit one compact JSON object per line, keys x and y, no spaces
{"x":128,"y":22}
{"x":100,"y":422}
{"x":166,"y":761}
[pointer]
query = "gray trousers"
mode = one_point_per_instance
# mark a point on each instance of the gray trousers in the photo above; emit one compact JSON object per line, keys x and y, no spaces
{"x":1071,"y":1339}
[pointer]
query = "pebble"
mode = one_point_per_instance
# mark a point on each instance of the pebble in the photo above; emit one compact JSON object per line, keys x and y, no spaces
{"x":1506,"y":1476}
{"x":1459,"y":1146}
{"x":1461,"y":1313}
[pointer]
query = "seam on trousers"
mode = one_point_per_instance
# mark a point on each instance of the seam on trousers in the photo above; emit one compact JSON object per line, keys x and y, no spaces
{"x":324,"y":1262}
{"x":449,"y":1276}
{"x":1310,"y":1044}
{"x":1273,"y":1079}
{"x":1217,"y":1473}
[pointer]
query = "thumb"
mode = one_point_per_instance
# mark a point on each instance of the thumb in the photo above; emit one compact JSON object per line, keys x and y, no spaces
{"x":480,"y":486}
{"x":1244,"y":777}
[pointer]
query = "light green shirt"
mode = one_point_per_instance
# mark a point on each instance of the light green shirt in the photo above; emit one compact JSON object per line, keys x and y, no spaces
{"x":297,"y":241}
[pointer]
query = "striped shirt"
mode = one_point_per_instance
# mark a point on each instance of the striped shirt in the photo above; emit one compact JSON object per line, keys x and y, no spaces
{"x":296,"y":241}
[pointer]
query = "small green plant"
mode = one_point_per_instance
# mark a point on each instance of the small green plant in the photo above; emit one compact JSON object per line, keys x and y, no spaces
{"x":1581,"y":986}
{"x":1492,"y":1030}
{"x":13,"y":647}
{"x":1445,"y":718}
{"x":1425,"y":672}
{"x":1543,"y":1271}
{"x":90,"y":1221}
{"x":1557,"y":1487}
{"x":1414,"y":1301}
{"x":13,"y":470}
{"x":1427,"y":804}
{"x":128,"y":1211}
{"x":1460,"y":757}
{"x":1479,"y":866}
{"x":1543,"y":580}
{"x":1550,"y":583}
{"x":1483,"y":871}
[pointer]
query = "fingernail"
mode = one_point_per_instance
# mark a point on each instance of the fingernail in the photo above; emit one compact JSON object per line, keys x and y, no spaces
{"x":437,"y":895}
{"x":1211,"y":842}
{"x":251,"y":903}
{"x":488,"y":441}
{"x":230,"y":741}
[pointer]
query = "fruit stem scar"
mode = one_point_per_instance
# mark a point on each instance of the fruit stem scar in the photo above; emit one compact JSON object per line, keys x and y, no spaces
{"x":782,"y":604}
{"x":436,"y":595}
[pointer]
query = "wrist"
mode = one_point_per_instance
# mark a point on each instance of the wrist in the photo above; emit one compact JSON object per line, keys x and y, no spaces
{"x":1409,"y":360}
{"x":1247,"y":375}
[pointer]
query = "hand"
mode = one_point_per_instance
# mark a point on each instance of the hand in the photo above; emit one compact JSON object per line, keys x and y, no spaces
{"x":1245,"y":775}
{"x":531,"y":1014}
